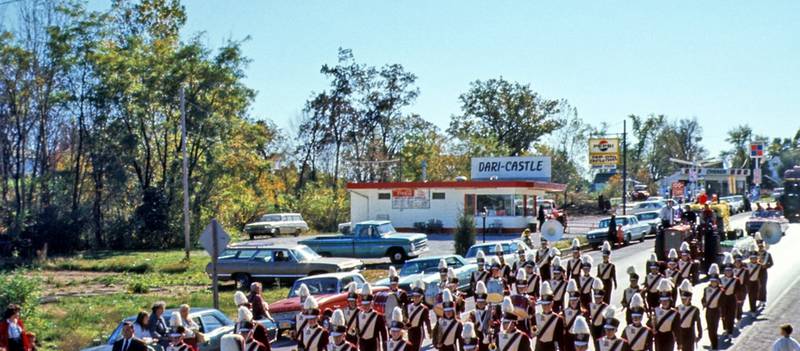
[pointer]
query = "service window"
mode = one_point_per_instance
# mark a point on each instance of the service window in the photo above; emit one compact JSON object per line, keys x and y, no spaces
{"x":384,"y":196}
{"x":437,"y":196}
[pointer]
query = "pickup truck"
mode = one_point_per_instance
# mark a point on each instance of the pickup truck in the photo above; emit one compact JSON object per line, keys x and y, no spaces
{"x":632,"y":229}
{"x":370,"y":239}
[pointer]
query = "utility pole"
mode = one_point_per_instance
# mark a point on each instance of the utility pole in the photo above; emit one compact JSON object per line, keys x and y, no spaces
{"x":624,"y":165}
{"x":186,"y":220}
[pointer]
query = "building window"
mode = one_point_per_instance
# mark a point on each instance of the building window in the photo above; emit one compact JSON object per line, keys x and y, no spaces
{"x":437,"y":196}
{"x":496,"y":205}
{"x":384,"y":196}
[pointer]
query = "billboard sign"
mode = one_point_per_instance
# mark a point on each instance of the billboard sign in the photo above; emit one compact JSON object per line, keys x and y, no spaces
{"x":409,"y":198}
{"x":756,"y":150}
{"x":535,"y":168}
{"x":678,"y":190}
{"x":604,"y":152}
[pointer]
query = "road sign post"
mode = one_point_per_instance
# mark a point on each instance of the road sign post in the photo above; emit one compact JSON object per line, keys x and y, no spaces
{"x":213,"y":238}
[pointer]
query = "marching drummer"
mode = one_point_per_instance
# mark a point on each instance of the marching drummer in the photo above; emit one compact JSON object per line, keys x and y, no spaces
{"x":351,"y":312}
{"x":607,"y":272}
{"x":458,"y":296}
{"x":497,"y":277}
{"x":687,"y":268}
{"x":396,"y":331}
{"x":711,"y":303}
{"x":581,"y":334}
{"x":549,"y":326}
{"x":689,"y":315}
{"x":638,"y":335}
{"x":628,"y":293}
{"x":543,"y":258}
{"x":665,"y":318}
{"x":740,"y":273}
{"x":371,"y":326}
{"x":480,"y":275}
{"x":651,"y":282}
{"x":448,"y":328}
{"x":523,"y":302}
{"x":571,"y":314}
{"x":610,"y":341}
{"x":481,"y":317}
{"x":338,"y":334}
{"x":595,"y":311}
{"x":728,"y":299}
{"x":585,"y":281}
{"x":558,"y":284}
{"x":418,"y":317}
{"x":574,"y":263}
{"x":510,"y":338}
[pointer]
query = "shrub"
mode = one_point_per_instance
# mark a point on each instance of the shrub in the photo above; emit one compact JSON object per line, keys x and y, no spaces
{"x":421,"y":227}
{"x":20,"y":289}
{"x":434,"y":226}
{"x":138,"y":287}
{"x":464,"y":236}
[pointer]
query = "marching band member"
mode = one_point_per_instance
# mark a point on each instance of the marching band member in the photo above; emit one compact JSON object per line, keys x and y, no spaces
{"x":398,"y":295}
{"x":549,"y":326}
{"x":580,"y":331}
{"x":396,"y":341}
{"x":521,"y":258}
{"x":570,"y":315}
{"x":448,"y":328}
{"x":481,"y":317}
{"x":504,"y":267}
{"x":595,"y":311}
{"x":651,"y":282}
{"x":727,"y":302}
{"x":607,"y":272}
{"x":240,"y":299}
{"x":628,"y":293}
{"x":671,"y":272}
{"x":338,"y":338}
{"x":458,"y":296}
{"x":543,"y":258}
{"x":638,"y":335}
{"x":740,"y":273}
{"x":371,"y":326}
{"x":711,"y":302}
{"x":610,"y":341}
{"x":585,"y":281}
{"x":689,"y":316}
{"x":526,"y":324}
{"x":300,"y":321}
{"x":469,"y":337}
{"x":351,"y":312}
{"x":754,"y":271}
{"x":418,"y":316}
{"x":665,"y":318}
{"x":498,"y":277}
{"x":443,"y":274}
{"x":480,"y":275}
{"x":533,"y":279}
{"x":766,"y":260}
{"x":315,"y":337}
{"x":231,"y":342}
{"x":559,"y":284}
{"x":510,"y":338}
{"x":249,"y":330}
{"x":250,"y":343}
{"x":574,"y":263}
{"x":687,"y":268}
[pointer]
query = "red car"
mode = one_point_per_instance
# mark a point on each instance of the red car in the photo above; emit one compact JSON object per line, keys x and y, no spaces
{"x":328,"y":289}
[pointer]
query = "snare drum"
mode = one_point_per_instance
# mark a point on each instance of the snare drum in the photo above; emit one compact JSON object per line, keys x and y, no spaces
{"x":521,"y":305}
{"x":431,"y":291}
{"x":495,"y":291}
{"x":379,"y":301}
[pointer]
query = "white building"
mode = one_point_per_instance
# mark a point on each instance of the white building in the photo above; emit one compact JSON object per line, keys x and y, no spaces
{"x":511,"y":204}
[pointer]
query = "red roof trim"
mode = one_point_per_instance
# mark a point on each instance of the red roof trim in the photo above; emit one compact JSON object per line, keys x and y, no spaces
{"x":465,"y":184}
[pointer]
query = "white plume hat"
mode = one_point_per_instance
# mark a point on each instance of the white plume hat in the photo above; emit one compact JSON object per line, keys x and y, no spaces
{"x":576,"y":244}
{"x":175,"y":319}
{"x":239,"y":298}
{"x":231,"y":342}
{"x":580,"y":326}
{"x":480,"y":288}
{"x":244,"y":314}
{"x":303,"y":290}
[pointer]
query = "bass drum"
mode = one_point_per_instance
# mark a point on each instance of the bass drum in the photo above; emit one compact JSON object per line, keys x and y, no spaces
{"x":521,"y":306}
{"x":379,"y":302}
{"x":495,"y":291}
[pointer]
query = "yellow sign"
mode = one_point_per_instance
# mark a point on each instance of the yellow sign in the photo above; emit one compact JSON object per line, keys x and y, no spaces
{"x":604,"y":152}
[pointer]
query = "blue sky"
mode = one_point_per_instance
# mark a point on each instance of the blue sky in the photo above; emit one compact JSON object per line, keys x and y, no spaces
{"x":724,"y":62}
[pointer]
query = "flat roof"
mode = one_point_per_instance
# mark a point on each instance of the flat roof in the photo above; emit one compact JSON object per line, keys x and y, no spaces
{"x":546,"y":186}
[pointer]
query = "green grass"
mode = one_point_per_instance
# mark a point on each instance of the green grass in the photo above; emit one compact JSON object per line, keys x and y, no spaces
{"x":131,"y":262}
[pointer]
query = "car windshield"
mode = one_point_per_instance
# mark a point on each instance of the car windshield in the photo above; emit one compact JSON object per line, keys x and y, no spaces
{"x":488,"y":250}
{"x":619,"y":220}
{"x":417,"y":267}
{"x":386,"y":228}
{"x":270,"y":218}
{"x":304,"y":253}
{"x":645,"y":216}
{"x":318,"y":286}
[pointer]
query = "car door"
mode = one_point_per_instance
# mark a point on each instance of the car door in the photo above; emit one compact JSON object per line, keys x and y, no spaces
{"x":367,"y":242}
{"x":285,"y":264}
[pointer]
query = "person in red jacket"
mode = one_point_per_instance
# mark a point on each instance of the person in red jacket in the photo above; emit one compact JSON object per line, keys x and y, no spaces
{"x":13,"y":336}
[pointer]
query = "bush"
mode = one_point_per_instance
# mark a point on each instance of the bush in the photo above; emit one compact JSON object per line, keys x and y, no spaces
{"x":20,"y":289}
{"x":434,"y":226}
{"x":464,"y":236}
{"x":138,"y":288}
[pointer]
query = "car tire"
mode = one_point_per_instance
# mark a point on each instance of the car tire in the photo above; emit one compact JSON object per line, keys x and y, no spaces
{"x":627,"y":239}
{"x":243,"y":281}
{"x":276,"y":233}
{"x":641,"y":240}
{"x":297,"y":233}
{"x":252,"y":236}
{"x":397,"y":255}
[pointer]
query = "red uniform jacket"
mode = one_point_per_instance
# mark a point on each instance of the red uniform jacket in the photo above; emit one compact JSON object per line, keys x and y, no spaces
{"x":26,"y":344}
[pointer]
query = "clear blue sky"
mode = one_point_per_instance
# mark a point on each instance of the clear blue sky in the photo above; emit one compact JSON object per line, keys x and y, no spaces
{"x":725,"y":62}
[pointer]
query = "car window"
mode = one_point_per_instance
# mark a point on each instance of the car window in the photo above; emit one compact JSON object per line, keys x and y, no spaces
{"x":210,"y":323}
{"x":265,"y":255}
{"x":270,"y":218}
{"x":345,"y":280}
{"x":246,"y":254}
{"x":228,"y":254}
{"x":281,"y":256}
{"x":385,"y":228}
{"x":421,"y":266}
{"x":453,"y":262}
{"x":317,"y":286}
{"x":305,"y":253}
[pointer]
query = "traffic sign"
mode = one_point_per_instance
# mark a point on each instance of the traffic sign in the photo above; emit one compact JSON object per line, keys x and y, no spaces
{"x":756,"y":150}
{"x":207,"y":238}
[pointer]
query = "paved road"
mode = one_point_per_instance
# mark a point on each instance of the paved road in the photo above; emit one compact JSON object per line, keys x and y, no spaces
{"x":782,"y":278}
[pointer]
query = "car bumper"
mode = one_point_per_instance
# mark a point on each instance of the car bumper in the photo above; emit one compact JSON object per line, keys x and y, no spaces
{"x":284,"y":320}
{"x":596,"y":240}
{"x":418,"y":251}
{"x":259,"y":231}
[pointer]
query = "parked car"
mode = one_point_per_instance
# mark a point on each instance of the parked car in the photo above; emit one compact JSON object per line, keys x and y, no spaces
{"x":510,"y":248}
{"x":548,"y":204}
{"x":735,"y":203}
{"x":213,"y":324}
{"x":276,"y":224}
{"x":329,"y":290}
{"x":264,"y":261}
{"x":371,"y":239}
{"x":631,"y":230}
{"x":760,"y":218}
{"x":427,"y":270}
{"x":628,"y":209}
{"x":645,"y":206}
{"x":651,"y":218}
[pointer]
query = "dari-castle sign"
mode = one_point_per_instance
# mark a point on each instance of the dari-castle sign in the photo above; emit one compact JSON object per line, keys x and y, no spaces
{"x":535,"y":168}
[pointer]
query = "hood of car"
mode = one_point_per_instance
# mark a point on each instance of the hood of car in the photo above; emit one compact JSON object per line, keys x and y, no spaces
{"x":293,"y":304}
{"x":406,"y":281}
{"x":344,"y":263}
{"x":598,"y":231}
{"x":406,"y":236}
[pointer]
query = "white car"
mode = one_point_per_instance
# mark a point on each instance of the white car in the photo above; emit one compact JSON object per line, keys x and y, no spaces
{"x":646,"y":206}
{"x":651,"y":218}
{"x":632,"y":230}
{"x":277,"y":223}
{"x":509,"y":251}
{"x":736,"y":203}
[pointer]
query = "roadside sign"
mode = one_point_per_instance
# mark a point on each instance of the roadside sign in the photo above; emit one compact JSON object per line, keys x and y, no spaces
{"x":677,"y":190}
{"x":756,"y":150}
{"x":604,"y":152}
{"x":757,"y":176}
{"x":207,"y":238}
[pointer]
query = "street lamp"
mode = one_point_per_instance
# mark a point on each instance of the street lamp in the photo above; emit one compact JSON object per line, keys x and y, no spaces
{"x":483,"y":215}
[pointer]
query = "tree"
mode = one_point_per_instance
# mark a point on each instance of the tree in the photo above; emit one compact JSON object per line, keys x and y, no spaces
{"x":739,"y":137}
{"x":464,"y":236}
{"x":508,"y":114}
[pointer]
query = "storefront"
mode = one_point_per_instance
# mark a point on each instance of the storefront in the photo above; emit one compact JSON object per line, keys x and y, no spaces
{"x":510,"y":204}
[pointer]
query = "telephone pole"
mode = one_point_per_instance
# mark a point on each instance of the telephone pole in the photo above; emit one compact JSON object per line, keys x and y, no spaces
{"x":624,"y":166}
{"x":186,"y":220}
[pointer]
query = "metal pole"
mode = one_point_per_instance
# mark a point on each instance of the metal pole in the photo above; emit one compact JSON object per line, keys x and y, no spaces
{"x":214,"y":278}
{"x":624,"y":166}
{"x":484,"y":228}
{"x":186,"y":220}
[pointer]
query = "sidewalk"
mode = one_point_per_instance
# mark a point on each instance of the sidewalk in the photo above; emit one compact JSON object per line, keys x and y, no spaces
{"x":763,"y":331}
